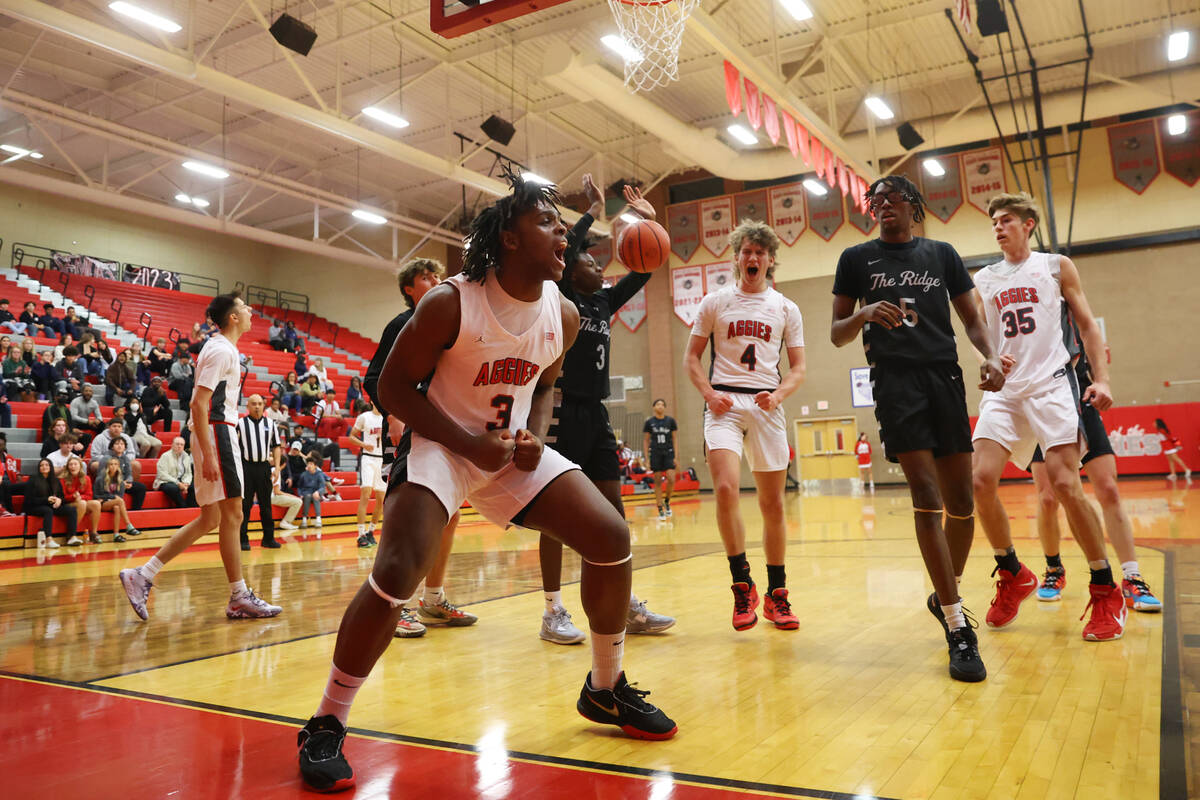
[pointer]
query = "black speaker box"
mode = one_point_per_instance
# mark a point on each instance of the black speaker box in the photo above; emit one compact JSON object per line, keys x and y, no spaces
{"x":909,"y":138}
{"x":498,"y":130}
{"x":991,"y":17}
{"x":293,"y":34}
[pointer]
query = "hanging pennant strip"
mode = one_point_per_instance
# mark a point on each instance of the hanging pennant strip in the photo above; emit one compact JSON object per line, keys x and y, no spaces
{"x":818,"y":157}
{"x":733,"y":88}
{"x":753,"y":109}
{"x":789,"y":133}
{"x":770,"y":119}
{"x":802,"y":137}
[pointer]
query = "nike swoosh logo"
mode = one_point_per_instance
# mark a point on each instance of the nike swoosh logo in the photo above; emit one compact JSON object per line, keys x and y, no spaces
{"x":1030,"y":583}
{"x":611,"y":711}
{"x":339,"y":683}
{"x":876,"y":261}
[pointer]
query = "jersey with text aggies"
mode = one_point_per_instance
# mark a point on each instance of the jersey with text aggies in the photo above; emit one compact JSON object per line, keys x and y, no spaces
{"x":485,"y":380}
{"x":919,"y":276}
{"x":218,"y":368}
{"x":371,"y":425}
{"x":1023,"y":303}
{"x":747,"y":331}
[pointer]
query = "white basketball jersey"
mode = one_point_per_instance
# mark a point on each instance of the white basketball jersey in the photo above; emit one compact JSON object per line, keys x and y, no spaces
{"x":748,"y":332}
{"x":371,"y":425}
{"x":1024,"y":314}
{"x":485,"y":381}
{"x":219,"y":369}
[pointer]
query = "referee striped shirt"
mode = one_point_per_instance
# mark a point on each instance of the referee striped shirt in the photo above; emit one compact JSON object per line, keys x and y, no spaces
{"x":257,"y":438}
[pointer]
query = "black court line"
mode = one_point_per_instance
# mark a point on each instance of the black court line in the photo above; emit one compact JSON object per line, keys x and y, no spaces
{"x":539,"y":758}
{"x":1172,"y":746}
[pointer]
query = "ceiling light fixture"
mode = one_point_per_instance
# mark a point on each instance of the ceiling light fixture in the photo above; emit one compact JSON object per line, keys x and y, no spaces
{"x":815,"y":187}
{"x":200,"y":202}
{"x":368,"y":216}
{"x":206,"y":169}
{"x":934,"y":167}
{"x":742,"y":134}
{"x":386,"y":117}
{"x":19,"y":152}
{"x":798,"y":9}
{"x":621,"y":47}
{"x":1177,"y":124}
{"x":1177,"y":45}
{"x":879,"y":108}
{"x":533,"y":176}
{"x":148,"y":17}
{"x":182,"y":198}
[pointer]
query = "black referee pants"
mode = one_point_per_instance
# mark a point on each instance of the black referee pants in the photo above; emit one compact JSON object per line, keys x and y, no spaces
{"x":257,"y":483}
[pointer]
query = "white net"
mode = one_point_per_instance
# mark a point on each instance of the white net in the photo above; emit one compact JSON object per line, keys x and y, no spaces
{"x":652,"y":31}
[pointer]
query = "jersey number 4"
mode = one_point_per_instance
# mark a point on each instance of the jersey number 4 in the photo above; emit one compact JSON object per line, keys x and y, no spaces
{"x":1017,"y":322}
{"x":748,"y":358}
{"x":504,"y":404}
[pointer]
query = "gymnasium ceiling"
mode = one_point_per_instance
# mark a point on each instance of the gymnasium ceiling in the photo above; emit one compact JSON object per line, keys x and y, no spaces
{"x":116,"y":108}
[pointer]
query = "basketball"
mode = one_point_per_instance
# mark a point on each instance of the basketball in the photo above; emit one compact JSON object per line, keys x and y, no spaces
{"x":643,"y":246}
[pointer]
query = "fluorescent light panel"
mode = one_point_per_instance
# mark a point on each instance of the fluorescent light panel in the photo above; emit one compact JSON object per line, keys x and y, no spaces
{"x":1177,"y":124}
{"x":367,"y":216}
{"x":621,"y":47}
{"x":934,"y":167}
{"x":200,"y":202}
{"x":742,"y":134}
{"x":148,"y":17}
{"x":182,"y":198}
{"x":815,"y":187}
{"x":206,"y":169}
{"x":20,"y":152}
{"x":533,"y":176}
{"x":386,"y":117}
{"x":879,"y":108}
{"x":1178,"y":44}
{"x":798,"y":9}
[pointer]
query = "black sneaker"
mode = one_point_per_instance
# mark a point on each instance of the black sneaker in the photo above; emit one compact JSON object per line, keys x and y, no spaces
{"x":363,"y":541}
{"x":935,"y":608}
{"x":624,"y":707}
{"x":371,"y":538}
{"x":965,"y":663}
{"x":322,"y":764}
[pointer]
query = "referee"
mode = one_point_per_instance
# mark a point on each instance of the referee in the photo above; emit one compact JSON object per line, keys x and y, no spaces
{"x":260,"y":443}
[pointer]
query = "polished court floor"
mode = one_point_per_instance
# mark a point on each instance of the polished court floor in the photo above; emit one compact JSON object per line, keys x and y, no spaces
{"x":854,"y":704}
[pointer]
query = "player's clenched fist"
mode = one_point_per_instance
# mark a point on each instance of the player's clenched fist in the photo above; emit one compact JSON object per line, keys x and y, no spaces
{"x":527,"y":452}
{"x":719,"y":403}
{"x":492,"y":450}
{"x":883,"y":313}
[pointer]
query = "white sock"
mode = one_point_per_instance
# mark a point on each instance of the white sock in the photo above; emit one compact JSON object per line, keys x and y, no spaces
{"x":362,"y":529}
{"x":151,"y":568}
{"x":434,"y":595}
{"x":1130,"y":568}
{"x":339,"y":694}
{"x":371,"y":528}
{"x":954,"y":616}
{"x":237,"y":587}
{"x":607,"y":650}
{"x":999,"y":551}
{"x":553,"y":600}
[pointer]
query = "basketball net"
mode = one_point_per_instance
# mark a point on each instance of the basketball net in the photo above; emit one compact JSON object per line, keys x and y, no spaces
{"x":654,"y":28}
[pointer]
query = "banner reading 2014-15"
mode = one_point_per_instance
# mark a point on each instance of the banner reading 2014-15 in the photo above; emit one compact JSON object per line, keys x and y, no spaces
{"x":984,"y":174}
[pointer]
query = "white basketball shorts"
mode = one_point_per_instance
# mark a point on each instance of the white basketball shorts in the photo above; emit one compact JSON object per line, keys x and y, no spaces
{"x":761,"y":434}
{"x":1050,"y":419}
{"x":370,"y":472}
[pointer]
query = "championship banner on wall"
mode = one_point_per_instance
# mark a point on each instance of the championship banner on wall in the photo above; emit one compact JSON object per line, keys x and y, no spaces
{"x":716,"y":222}
{"x":687,"y":290}
{"x":1181,"y":154}
{"x":787,"y":212}
{"x":750,"y":206}
{"x":864,"y":222}
{"x":717,"y":276}
{"x":633,"y":313}
{"x":984,"y":172}
{"x":943,"y":195}
{"x":602,"y":250}
{"x":826,"y":213}
{"x":683,"y":225}
{"x":1134,"y":154}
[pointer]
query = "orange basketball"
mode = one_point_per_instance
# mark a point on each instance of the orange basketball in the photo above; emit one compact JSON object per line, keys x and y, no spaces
{"x":643,"y":246}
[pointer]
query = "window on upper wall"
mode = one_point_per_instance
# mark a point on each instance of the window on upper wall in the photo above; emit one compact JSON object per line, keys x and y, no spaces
{"x":696,"y":190}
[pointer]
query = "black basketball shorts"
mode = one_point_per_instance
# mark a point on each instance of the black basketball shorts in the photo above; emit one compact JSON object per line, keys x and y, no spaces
{"x":580,"y":431}
{"x":921,"y":407}
{"x":661,"y":461}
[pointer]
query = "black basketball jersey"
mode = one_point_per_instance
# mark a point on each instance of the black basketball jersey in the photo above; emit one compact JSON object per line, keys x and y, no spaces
{"x":921,"y":277}
{"x":661,"y":441}
{"x":371,"y":381}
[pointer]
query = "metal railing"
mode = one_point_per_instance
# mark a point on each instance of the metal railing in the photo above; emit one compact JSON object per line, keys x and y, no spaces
{"x":144,"y":321}
{"x":116,"y":305}
{"x":294,"y":299}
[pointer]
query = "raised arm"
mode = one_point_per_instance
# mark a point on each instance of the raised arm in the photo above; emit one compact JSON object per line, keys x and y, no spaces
{"x":1099,"y":394}
{"x":969,"y":307}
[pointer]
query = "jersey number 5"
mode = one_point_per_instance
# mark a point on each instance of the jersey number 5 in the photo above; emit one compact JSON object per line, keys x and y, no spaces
{"x":1021,"y":321}
{"x":503,"y":402}
{"x":748,"y":357}
{"x":908,"y":308}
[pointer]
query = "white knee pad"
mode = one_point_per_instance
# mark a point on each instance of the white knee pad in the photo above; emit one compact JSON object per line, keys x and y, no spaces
{"x":608,"y":563}
{"x":392,"y":601}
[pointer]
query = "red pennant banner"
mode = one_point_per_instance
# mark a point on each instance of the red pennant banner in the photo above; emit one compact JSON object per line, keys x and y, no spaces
{"x":802,"y":136}
{"x":843,"y":177}
{"x":753,"y":109}
{"x":771,"y":120}
{"x":789,"y":132}
{"x":830,"y":168}
{"x":818,"y":157}
{"x":1181,"y":153}
{"x":683,"y":222}
{"x":733,"y":88}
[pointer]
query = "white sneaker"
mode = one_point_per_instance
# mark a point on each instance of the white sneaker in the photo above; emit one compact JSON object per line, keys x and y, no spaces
{"x":558,"y":628}
{"x":42,"y":539}
{"x":408,"y":626}
{"x":318,"y":523}
{"x":74,"y":541}
{"x":137,"y":589}
{"x":304,"y":522}
{"x":53,"y":545}
{"x":286,"y":526}
{"x":247,"y":605}
{"x":643,"y":620}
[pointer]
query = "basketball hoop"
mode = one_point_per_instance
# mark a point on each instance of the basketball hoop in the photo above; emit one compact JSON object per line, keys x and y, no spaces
{"x":653,"y":32}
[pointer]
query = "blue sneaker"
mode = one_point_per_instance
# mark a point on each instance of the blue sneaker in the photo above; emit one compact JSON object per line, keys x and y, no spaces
{"x":1138,"y":595}
{"x":1053,"y":583}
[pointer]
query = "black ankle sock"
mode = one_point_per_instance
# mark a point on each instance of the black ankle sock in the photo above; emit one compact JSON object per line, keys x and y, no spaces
{"x":739,"y":569}
{"x":1054,"y":562}
{"x":776,"y":577}
{"x":1009,"y":561}
{"x":1103,"y":577}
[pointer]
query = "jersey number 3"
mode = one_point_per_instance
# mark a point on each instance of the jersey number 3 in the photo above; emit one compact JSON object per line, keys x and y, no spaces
{"x":1020,"y":321}
{"x":503,"y":402}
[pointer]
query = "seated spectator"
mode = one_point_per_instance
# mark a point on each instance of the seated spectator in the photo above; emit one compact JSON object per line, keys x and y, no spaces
{"x":57,"y":410}
{"x":43,"y":375}
{"x":105,"y":353}
{"x":290,"y":502}
{"x":72,"y":324}
{"x":624,"y":455}
{"x":301,"y":363}
{"x":639,"y":474}
{"x":110,"y":489}
{"x":85,"y":412}
{"x":182,"y":345}
{"x":64,"y":341}
{"x":51,"y":325}
{"x":44,"y":501}
{"x":200,"y":331}
{"x":355,"y":392}
{"x":102,"y":445}
{"x":311,"y":485}
{"x":7,"y":321}
{"x":174,"y":475}
{"x":148,"y":445}
{"x":293,"y":465}
{"x":17,"y":374}
{"x":318,"y":369}
{"x":289,"y":391}
{"x":29,"y":352}
{"x":5,"y":408}
{"x":136,"y":360}
{"x":275,"y":335}
{"x":66,"y":449}
{"x":291,"y":339}
{"x":77,"y":490}
{"x":160,"y":357}
{"x":30,"y":317}
{"x":69,"y":372}
{"x":310,"y":393}
{"x":279,"y":415}
{"x":88,"y":354}
{"x":11,"y":482}
{"x":181,"y":377}
{"x":155,"y":405}
{"x":118,"y":381}
{"x":131,"y":470}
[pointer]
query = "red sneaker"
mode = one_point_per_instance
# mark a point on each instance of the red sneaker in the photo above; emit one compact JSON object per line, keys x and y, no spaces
{"x":745,"y":600}
{"x":1011,"y":590}
{"x":777,"y":609}
{"x":1108,"y":614}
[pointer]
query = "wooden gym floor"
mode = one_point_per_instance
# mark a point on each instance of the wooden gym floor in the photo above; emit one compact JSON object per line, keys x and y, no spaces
{"x":855,"y":704}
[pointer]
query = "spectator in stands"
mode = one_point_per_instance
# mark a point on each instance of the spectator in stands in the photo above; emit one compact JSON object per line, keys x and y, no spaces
{"x":104,"y":352}
{"x":201,"y":331}
{"x":11,"y":482}
{"x":51,"y":325}
{"x":43,"y":375}
{"x":5,"y":408}
{"x":624,"y":455}
{"x":64,"y":342}
{"x":284,"y":500}
{"x":131,"y":470}
{"x":318,"y":369}
{"x":639,"y":474}
{"x":311,"y":485}
{"x":174,"y":475}
{"x":30,"y":317}
{"x":310,"y":393}
{"x":5,"y":343}
{"x":55,"y":411}
{"x":17,"y":376}
{"x":44,"y":502}
{"x":160,"y":357}
{"x":180,"y":378}
{"x":29,"y":352}
{"x":85,"y":412}
{"x":68,"y":372}
{"x":102,"y":445}
{"x":72,"y":324}
{"x":275,"y":335}
{"x":7,"y":321}
{"x":293,"y":466}
{"x":110,"y":489}
{"x":118,"y":381}
{"x":92,"y":364}
{"x":291,"y":339}
{"x":66,"y":446}
{"x":330,"y":426}
{"x":138,"y":426}
{"x":279,"y":415}
{"x":289,"y":391}
{"x":77,"y":490}
{"x":155,"y":405}
{"x":354,"y":393}
{"x":301,"y":363}
{"x":136,"y":360}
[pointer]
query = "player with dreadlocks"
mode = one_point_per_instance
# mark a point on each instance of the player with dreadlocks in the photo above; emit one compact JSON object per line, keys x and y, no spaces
{"x":493,"y":339}
{"x":904,"y":286}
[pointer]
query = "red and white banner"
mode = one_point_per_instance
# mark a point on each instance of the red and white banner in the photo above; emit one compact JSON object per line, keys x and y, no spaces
{"x":683,"y":223}
{"x":733,"y":88}
{"x":687,"y":290}
{"x":787,"y":212}
{"x":818,"y":157}
{"x":789,"y":133}
{"x":717,"y":276}
{"x":964,"y":16}
{"x":805,"y":146}
{"x":716,"y":223}
{"x":943,"y":194}
{"x":843,"y":174}
{"x":633,"y":313}
{"x":984,"y":173}
{"x":770,"y":119}
{"x":750,"y":205}
{"x":1134,"y":152}
{"x":826,"y":213}
{"x":753,"y":109}
{"x":864,"y":222}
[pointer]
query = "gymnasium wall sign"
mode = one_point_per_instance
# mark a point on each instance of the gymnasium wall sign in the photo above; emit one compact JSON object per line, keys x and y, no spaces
{"x":787,"y":212}
{"x":984,"y":171}
{"x":716,"y":223}
{"x":687,"y":290}
{"x":684,"y":226}
{"x":750,"y":206}
{"x":1134,"y":151}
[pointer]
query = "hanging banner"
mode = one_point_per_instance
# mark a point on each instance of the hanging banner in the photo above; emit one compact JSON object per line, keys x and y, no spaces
{"x":984,"y":172}
{"x":818,"y":157}
{"x":1134,"y":154}
{"x":787,"y":212}
{"x":843,"y":174}
{"x":716,"y":223}
{"x":687,"y":290}
{"x":1181,"y":154}
{"x":943,"y":195}
{"x":789,"y":133}
{"x":683,"y":223}
{"x":831,"y":169}
{"x":826,"y":213}
{"x":602,"y":251}
{"x":864,"y":222}
{"x":770,"y":119}
{"x":805,"y":149}
{"x":633,"y":313}
{"x":750,"y":205}
{"x":717,"y":276}
{"x":733,"y":88}
{"x":753,"y":109}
